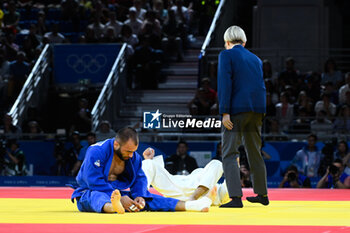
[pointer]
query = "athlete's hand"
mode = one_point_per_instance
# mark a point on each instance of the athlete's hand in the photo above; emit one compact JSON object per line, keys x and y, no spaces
{"x":129,"y":204}
{"x":148,"y":153}
{"x":140,"y":202}
{"x":226,"y":121}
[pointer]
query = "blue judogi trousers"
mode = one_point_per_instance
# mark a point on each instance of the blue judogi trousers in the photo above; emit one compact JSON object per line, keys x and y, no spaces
{"x":93,"y":201}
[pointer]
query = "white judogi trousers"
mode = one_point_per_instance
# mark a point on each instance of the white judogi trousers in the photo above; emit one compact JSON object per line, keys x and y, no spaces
{"x":180,"y":187}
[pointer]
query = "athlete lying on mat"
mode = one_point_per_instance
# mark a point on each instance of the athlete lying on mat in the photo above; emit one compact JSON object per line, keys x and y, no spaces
{"x":185,"y":187}
{"x":114,"y":165}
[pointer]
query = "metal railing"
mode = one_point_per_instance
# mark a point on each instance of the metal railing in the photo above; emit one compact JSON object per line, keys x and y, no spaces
{"x":113,"y":92}
{"x":34,"y":89}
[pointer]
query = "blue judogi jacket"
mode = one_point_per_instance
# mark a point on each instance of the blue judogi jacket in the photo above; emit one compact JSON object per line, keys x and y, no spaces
{"x":241,"y":86}
{"x":93,"y":174}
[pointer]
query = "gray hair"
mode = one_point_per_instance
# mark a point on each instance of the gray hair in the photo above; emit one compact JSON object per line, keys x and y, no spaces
{"x":235,"y":34}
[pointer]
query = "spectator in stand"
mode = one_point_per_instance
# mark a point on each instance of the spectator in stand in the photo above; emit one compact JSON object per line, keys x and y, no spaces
{"x":335,"y":177}
{"x":71,"y":154}
{"x":270,"y":88}
{"x":15,"y":160}
{"x":41,"y":26}
{"x":292,"y":179}
{"x":10,"y":47}
{"x":114,"y":23}
{"x":181,"y":163}
{"x":343,"y":154}
{"x":205,"y":100}
{"x":82,"y":120}
{"x":161,"y":12}
{"x":128,"y":37}
{"x":4,"y":75}
{"x":301,"y":125}
{"x":245,"y":176}
{"x":54,"y":36}
{"x":134,"y":22}
{"x":326,"y":105}
{"x":321,"y":125}
{"x":8,"y":127}
{"x":342,"y":122}
{"x":152,"y":23}
{"x":342,"y":151}
{"x":218,"y":154}
{"x":105,"y":131}
{"x":268,"y":72}
{"x":332,"y":92}
{"x":91,"y":139}
{"x":173,"y":33}
{"x":11,"y":17}
{"x":70,"y":10}
{"x":313,"y":86}
{"x":19,"y":71}
{"x":140,"y":12}
{"x":109,"y":36}
{"x":274,"y":133}
{"x":90,"y":36}
{"x":308,"y":159}
{"x":182,"y":13}
{"x":345,"y":88}
{"x":331,"y":74}
{"x":97,"y":26}
{"x":31,"y":42}
{"x":284,"y":111}
{"x":347,"y":98}
{"x":146,"y":65}
{"x":290,"y":75}
{"x":305,"y":103}
{"x":327,"y":158}
{"x":34,"y":128}
{"x":270,"y":106}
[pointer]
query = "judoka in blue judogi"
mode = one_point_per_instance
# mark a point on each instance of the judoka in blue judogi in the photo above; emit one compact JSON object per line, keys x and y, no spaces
{"x":114,"y":165}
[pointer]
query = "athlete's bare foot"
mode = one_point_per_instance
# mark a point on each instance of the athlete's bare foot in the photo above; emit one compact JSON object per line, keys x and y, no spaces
{"x":117,"y":205}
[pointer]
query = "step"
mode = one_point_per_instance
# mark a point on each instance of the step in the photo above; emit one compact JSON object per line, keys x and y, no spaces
{"x":180,"y":71}
{"x":175,"y":84}
{"x":160,"y":91}
{"x":182,"y":78}
{"x":184,"y":64}
{"x":162,"y":97}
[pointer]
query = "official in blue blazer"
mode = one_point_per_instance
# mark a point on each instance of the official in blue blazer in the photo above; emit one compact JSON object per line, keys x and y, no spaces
{"x":242,"y":103}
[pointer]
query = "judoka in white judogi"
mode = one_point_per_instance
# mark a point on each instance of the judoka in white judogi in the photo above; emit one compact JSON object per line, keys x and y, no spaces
{"x":182,"y":187}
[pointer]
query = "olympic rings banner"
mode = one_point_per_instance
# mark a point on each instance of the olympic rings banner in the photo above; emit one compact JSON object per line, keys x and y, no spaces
{"x":73,"y":63}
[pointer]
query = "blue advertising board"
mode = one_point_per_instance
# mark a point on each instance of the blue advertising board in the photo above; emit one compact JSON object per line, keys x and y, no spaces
{"x":83,"y":62}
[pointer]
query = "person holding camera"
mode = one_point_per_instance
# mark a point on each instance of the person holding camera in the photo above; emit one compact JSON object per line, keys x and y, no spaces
{"x":15,"y":160}
{"x":292,"y":179}
{"x":335,"y":178}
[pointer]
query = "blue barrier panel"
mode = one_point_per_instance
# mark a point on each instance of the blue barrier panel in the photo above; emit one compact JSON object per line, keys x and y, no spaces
{"x":40,"y":154}
{"x":46,"y":181}
{"x":76,"y":62}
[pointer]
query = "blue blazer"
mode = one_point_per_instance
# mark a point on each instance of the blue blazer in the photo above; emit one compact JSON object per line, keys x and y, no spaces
{"x":241,"y":86}
{"x":93,"y":174}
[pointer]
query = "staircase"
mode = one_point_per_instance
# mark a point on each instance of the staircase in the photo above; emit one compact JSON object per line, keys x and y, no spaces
{"x":171,"y":97}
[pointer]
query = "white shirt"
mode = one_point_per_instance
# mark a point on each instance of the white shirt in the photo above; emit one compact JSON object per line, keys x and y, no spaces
{"x":320,"y":106}
{"x":135,"y":25}
{"x":59,"y":38}
{"x":139,"y":14}
{"x":117,"y":26}
{"x":342,"y":93}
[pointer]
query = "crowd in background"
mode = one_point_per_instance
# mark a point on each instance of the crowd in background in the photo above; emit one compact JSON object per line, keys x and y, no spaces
{"x":296,"y":102}
{"x":154,"y":30}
